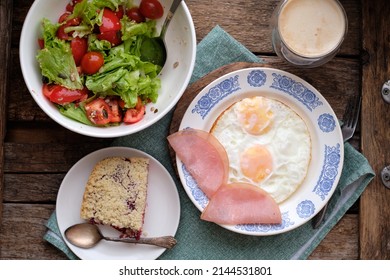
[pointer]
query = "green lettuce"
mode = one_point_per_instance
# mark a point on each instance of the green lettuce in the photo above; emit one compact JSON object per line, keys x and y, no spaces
{"x":76,"y":113}
{"x":125,"y":75}
{"x":56,"y":59}
{"x":112,"y":4}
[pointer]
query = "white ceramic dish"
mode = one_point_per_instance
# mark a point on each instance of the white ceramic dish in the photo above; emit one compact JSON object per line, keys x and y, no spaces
{"x":161,"y":217}
{"x":327,"y":143}
{"x":175,"y":76}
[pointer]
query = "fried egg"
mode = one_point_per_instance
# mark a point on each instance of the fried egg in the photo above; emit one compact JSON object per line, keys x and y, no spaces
{"x":268,"y":145}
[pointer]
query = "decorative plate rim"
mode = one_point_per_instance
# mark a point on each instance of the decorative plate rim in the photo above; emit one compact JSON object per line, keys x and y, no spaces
{"x":327,"y":143}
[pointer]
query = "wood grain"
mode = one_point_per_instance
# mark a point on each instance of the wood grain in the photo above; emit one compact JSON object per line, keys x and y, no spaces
{"x":5,"y":47}
{"x":252,"y":32}
{"x":21,"y":234}
{"x":36,"y":153}
{"x":248,"y":22}
{"x":23,"y":227}
{"x":375,"y":201}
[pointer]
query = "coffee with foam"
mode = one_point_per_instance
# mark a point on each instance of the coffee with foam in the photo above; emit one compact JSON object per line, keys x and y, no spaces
{"x":312,"y":28}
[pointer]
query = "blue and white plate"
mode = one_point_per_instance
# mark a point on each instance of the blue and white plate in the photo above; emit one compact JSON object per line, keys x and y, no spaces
{"x":327,"y":144}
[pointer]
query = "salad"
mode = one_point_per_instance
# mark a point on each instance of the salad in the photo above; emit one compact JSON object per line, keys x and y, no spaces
{"x":99,"y":64}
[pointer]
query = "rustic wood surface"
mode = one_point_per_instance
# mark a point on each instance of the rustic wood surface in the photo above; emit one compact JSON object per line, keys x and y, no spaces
{"x":375,"y":211}
{"x":36,"y":153}
{"x":5,"y":48}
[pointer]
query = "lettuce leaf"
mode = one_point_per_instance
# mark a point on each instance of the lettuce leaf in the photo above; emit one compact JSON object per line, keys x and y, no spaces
{"x":75,"y":113}
{"x":127,"y":76}
{"x":112,"y":4}
{"x":123,"y":74}
{"x":56,"y":59}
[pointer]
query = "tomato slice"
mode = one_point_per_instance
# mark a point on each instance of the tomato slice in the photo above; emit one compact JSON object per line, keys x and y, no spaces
{"x":116,"y":112}
{"x":151,"y":9}
{"x":91,"y":62}
{"x":110,"y":22}
{"x":120,"y":12}
{"x":135,"y":14}
{"x":47,"y":89}
{"x":98,"y":111}
{"x":41,"y":43}
{"x":64,"y":17}
{"x":114,"y":37}
{"x":79,"y":47}
{"x":71,"y":5}
{"x":61,"y":30}
{"x":134,"y":115}
{"x":62,"y":34}
{"x":61,"y":95}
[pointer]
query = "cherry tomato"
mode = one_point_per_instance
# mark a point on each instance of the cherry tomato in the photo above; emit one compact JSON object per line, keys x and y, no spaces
{"x":116,"y":112}
{"x":64,"y":16}
{"x":98,"y":111}
{"x":41,"y":43}
{"x":61,"y":30}
{"x":134,"y":115}
{"x":135,"y":14}
{"x":121,"y":104}
{"x":61,"y":33}
{"x":91,"y":62}
{"x":79,"y":47}
{"x":61,"y":95}
{"x":114,"y":37}
{"x":151,"y":9}
{"x":120,"y":12}
{"x":139,"y":104}
{"x":110,"y":22}
{"x":71,"y":5}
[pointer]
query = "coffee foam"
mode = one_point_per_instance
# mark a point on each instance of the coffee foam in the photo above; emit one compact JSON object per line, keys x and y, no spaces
{"x":312,"y":28}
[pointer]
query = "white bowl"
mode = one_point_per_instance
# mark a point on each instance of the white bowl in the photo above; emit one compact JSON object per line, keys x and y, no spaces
{"x":175,"y":76}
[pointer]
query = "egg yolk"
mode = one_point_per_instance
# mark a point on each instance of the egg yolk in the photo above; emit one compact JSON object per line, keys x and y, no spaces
{"x":254,"y":114}
{"x":256,"y":163}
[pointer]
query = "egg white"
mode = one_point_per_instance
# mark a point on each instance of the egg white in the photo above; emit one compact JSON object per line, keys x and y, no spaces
{"x":287,"y":139}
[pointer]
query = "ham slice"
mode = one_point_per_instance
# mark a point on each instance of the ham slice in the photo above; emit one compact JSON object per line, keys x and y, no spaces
{"x":241,"y":203}
{"x":203,"y":156}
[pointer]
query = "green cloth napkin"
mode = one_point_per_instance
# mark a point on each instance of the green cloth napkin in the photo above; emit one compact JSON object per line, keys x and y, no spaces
{"x":203,"y":240}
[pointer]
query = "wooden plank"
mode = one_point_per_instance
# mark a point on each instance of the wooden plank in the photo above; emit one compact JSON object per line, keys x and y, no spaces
{"x":227,"y":14}
{"x":22,"y":230}
{"x":38,"y":154}
{"x":375,"y":201}
{"x":5,"y":46}
{"x":32,"y":188}
{"x":341,"y":243}
{"x":37,"y":158}
{"x":248,"y":22}
{"x":47,"y":147}
{"x":23,"y":227}
{"x":329,"y":79}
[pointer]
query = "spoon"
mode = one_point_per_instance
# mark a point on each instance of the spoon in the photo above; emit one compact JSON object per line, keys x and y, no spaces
{"x":154,"y":49}
{"x":88,"y":235}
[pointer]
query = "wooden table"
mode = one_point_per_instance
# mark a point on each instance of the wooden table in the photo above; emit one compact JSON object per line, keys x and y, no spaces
{"x":36,"y":153}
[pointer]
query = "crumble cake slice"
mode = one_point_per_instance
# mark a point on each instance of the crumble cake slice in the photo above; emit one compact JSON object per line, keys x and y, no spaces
{"x":116,"y":193}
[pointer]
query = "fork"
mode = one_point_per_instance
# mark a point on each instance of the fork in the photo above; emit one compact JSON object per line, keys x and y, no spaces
{"x":350,"y":120}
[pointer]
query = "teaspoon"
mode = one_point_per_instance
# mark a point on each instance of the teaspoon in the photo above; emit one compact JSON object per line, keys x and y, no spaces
{"x":88,"y":235}
{"x":154,"y":49}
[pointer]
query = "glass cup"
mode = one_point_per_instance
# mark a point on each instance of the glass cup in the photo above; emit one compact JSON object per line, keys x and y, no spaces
{"x":308,"y":33}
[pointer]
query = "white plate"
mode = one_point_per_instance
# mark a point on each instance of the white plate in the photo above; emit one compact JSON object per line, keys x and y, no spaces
{"x":162,"y":211}
{"x":327,"y":143}
{"x":175,"y":75}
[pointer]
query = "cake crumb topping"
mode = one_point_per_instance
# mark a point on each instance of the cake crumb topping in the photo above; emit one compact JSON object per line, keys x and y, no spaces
{"x":116,"y":194}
